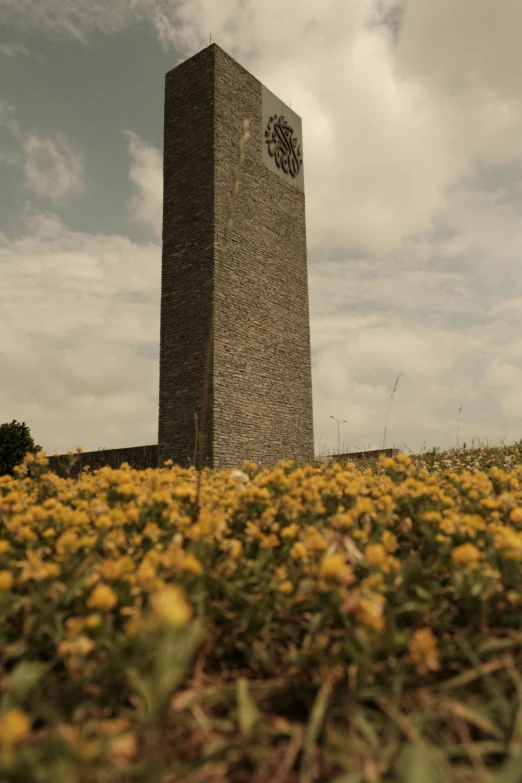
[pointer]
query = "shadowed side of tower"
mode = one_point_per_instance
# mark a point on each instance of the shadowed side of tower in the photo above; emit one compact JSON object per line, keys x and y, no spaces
{"x":260,"y":394}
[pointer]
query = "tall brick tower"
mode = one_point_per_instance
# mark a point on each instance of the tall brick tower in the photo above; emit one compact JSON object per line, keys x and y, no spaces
{"x":260,"y":394}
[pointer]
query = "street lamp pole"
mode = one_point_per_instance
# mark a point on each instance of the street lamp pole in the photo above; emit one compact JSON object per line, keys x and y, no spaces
{"x":338,"y":436}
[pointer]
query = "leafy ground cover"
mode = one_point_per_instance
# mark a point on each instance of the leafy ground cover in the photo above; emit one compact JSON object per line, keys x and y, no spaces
{"x":297,"y":624}
{"x":315,"y":623}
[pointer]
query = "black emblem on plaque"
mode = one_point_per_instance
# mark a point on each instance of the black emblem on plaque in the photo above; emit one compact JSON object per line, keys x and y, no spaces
{"x":282,"y":146}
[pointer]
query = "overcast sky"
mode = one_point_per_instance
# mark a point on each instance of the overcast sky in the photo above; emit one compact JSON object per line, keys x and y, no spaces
{"x":412,"y":142}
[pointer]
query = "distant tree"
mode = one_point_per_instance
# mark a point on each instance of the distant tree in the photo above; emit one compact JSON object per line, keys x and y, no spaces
{"x":15,"y":442}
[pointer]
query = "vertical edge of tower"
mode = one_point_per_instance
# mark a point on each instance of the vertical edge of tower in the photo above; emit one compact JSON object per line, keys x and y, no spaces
{"x":263,"y":407}
{"x":187,"y":256}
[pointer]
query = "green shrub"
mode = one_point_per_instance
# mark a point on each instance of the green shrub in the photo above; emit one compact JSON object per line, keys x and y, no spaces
{"x":15,"y":442}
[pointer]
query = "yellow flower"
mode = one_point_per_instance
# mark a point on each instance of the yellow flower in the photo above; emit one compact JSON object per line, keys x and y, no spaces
{"x":286,"y":587}
{"x":132,"y":627}
{"x":314,"y":540}
{"x":363,"y":506}
{"x":373,"y":581}
{"x":104,"y":522}
{"x":332,"y":566}
{"x":389,"y":541}
{"x":290,"y":531}
{"x":82,"y":645}
{"x":14,"y":727}
{"x":114,"y":569}
{"x":448,"y":525}
{"x":87,"y":541}
{"x":192,"y":564}
{"x":122,"y":748}
{"x":423,"y":651}
{"x":50,"y":569}
{"x":27,"y":534}
{"x":269,"y":542}
{"x":467,"y":554}
{"x":375,"y":554}
{"x":170,"y":608}
{"x":470,"y":524}
{"x":112,"y":726}
{"x":250,"y":528}
{"x":93,"y":621}
{"x":235,"y":548}
{"x":370,"y":611}
{"x":6,"y":580}
{"x":74,"y":625}
{"x":68,"y":542}
{"x":152,"y":531}
{"x":4,"y":546}
{"x":146,"y":574}
{"x":343,"y":520}
{"x":515,"y":515}
{"x":102,"y":597}
{"x":430,"y":516}
{"x":298,"y":551}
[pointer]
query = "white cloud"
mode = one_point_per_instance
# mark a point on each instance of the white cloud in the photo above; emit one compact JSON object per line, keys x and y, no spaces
{"x":53,"y":167}
{"x":14,"y":48}
{"x":76,"y":19}
{"x":8,"y":121}
{"x":472,"y":45}
{"x":397,"y":124}
{"x":71,"y":333}
{"x":146,"y":172}
{"x":11,"y":49}
{"x":383,"y":146}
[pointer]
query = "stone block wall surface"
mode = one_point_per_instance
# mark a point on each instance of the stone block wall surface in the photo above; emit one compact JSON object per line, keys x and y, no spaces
{"x":143,"y":457}
{"x":260,"y":397}
{"x":359,"y":455}
{"x":138,"y":457}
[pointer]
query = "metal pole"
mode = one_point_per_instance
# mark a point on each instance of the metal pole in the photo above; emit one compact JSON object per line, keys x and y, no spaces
{"x":338,"y":435}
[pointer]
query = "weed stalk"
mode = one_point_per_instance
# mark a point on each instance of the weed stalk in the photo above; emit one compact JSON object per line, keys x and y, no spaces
{"x":389,"y":408}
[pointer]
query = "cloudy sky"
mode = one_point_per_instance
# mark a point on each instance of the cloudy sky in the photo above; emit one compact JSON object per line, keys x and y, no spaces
{"x":411,"y":114}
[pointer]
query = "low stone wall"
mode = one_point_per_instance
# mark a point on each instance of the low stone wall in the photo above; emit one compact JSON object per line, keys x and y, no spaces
{"x":138,"y":457}
{"x":357,"y":455}
{"x":143,"y":457}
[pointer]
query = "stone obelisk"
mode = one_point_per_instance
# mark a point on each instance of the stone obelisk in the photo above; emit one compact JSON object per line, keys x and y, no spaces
{"x":260,"y":395}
